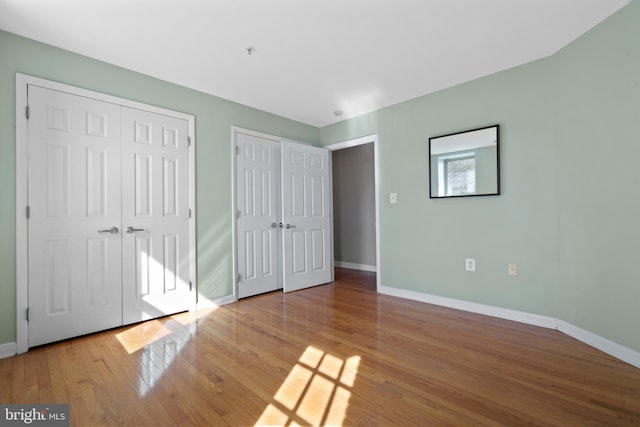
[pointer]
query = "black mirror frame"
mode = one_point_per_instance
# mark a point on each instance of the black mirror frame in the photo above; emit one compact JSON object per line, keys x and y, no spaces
{"x":497,"y":193}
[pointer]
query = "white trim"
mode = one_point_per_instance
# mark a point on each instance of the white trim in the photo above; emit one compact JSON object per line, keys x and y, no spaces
{"x":236,"y":129}
{"x":206,"y":304}
{"x":354,"y":266}
{"x":373,"y":138}
{"x":352,"y":142}
{"x":72,"y":90}
{"x":8,"y":349}
{"x":234,"y":216}
{"x":614,"y":349}
{"x":193,"y":244}
{"x":22,"y":137}
{"x":22,"y":199}
{"x":332,"y":248}
{"x":293,"y":141}
{"x":487,"y":310}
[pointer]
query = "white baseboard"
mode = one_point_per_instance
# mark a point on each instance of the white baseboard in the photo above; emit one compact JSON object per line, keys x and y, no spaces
{"x":487,"y":310}
{"x":614,"y":349}
{"x":7,"y":350}
{"x":354,"y":266}
{"x":205,"y":304}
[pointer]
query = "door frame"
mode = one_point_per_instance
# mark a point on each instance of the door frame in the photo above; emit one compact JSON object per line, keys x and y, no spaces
{"x":22,"y":162}
{"x":367,"y":139}
{"x":234,"y":203}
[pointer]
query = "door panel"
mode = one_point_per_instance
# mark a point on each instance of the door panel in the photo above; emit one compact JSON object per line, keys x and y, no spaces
{"x":306,"y":215}
{"x":258,"y":236}
{"x":96,"y":182}
{"x":74,"y":193}
{"x":318,"y":245}
{"x":97,"y":277}
{"x":155,"y":215}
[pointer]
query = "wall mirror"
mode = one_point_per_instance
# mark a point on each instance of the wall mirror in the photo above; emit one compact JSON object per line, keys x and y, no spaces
{"x":465,"y":163}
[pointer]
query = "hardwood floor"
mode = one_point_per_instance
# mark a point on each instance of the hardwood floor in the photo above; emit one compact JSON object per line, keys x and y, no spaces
{"x":337,"y":354}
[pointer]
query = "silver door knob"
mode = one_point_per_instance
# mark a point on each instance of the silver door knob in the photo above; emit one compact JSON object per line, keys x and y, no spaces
{"x":288,"y":226}
{"x":112,"y":230}
{"x":273,"y":225}
{"x":130,"y":229}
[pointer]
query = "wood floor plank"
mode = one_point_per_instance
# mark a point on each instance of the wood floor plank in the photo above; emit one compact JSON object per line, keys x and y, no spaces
{"x":57,"y":383}
{"x":17,"y":379}
{"x":6,"y":366}
{"x":337,"y":354}
{"x":31,"y":392}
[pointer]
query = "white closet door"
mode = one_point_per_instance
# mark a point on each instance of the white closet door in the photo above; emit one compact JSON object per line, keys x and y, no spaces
{"x":306,"y":209}
{"x":257,"y":230}
{"x":155,"y":215}
{"x":74,"y":228}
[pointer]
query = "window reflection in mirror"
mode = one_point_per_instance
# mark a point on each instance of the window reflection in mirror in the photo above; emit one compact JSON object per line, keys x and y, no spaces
{"x":465,"y":163}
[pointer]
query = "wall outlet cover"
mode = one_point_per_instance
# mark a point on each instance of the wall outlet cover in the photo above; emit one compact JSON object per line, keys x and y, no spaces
{"x":470,"y":264}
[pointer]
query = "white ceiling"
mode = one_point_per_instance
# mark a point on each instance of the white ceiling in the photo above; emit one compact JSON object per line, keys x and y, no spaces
{"x":312,"y":57}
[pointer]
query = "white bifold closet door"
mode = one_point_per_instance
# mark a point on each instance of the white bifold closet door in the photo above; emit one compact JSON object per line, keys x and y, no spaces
{"x":283,"y":218}
{"x":95,"y":169}
{"x":74,"y":198}
{"x":155,"y":215}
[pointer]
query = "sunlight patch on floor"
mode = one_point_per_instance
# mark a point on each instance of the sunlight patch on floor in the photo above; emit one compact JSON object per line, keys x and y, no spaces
{"x":143,"y":334}
{"x":316,"y":391}
{"x":156,"y":358}
{"x":158,"y":342}
{"x":146,"y":333}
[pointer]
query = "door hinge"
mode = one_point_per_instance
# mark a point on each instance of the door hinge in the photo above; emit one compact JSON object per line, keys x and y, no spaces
{"x":28,"y":112}
{"x":190,"y":285}
{"x":28,"y":212}
{"x":238,"y":213}
{"x":27,"y":314}
{"x":237,"y":149}
{"x":189,"y":213}
{"x":188,"y":141}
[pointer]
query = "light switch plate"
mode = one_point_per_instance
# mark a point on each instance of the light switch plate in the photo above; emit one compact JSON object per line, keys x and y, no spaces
{"x":393,"y":198}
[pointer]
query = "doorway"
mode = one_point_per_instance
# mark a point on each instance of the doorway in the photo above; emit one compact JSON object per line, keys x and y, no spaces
{"x":356,"y":204}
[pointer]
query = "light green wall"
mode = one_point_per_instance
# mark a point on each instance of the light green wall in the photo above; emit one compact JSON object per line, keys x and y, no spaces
{"x":214,"y":118}
{"x":598,"y":132}
{"x":570,"y":203}
{"x":424,"y":241}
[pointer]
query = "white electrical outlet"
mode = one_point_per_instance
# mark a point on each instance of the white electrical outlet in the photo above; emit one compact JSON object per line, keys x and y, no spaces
{"x":393,"y":198}
{"x":470,"y":264}
{"x":513,"y":270}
